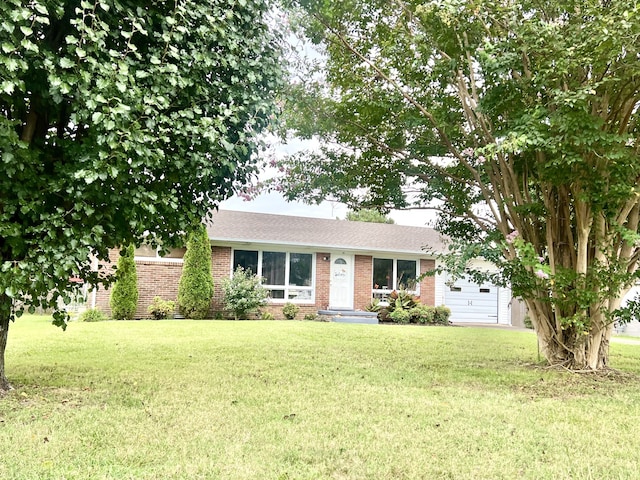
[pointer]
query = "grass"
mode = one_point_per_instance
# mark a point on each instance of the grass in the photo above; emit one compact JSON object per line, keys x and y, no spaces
{"x":306,"y":400}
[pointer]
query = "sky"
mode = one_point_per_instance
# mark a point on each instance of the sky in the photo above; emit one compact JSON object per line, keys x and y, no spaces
{"x":276,"y":204}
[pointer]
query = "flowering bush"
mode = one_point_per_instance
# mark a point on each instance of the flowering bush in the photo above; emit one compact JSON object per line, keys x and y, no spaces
{"x":160,"y":309}
{"x":243,"y":293}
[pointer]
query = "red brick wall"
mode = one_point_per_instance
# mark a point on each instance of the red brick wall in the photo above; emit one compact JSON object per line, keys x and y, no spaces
{"x":221,"y":262}
{"x":155,"y":278}
{"x":363,"y":281}
{"x":428,"y":284}
{"x":323,"y":275}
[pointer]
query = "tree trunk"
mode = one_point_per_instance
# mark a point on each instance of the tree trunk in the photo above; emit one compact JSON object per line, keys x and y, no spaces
{"x":5,"y":314}
{"x":576,"y":350}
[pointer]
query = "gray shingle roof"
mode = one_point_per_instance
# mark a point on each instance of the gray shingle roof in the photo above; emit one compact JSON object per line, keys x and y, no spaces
{"x":233,"y":226}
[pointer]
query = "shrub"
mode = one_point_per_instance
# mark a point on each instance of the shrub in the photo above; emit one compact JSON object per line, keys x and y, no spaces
{"x":383,"y":314}
{"x":374,"y":306}
{"x":400,"y":316}
{"x":290,"y":310}
{"x":401,"y":300}
{"x":92,"y":315}
{"x":527,"y":322}
{"x":311,"y":317}
{"x":441,"y":315}
{"x":422,"y":314}
{"x":243,"y":293}
{"x":160,"y":309}
{"x":267,"y":316}
{"x":124,"y":296}
{"x":195,"y":289}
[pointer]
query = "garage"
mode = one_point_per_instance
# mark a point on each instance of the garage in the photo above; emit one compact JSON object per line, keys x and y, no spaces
{"x":470,"y":302}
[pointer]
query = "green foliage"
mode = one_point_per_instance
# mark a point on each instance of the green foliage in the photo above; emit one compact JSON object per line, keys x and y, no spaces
{"x":400,"y":316}
{"x":401,"y":300}
{"x":368,"y":215}
{"x":527,"y":322}
{"x":441,"y":315}
{"x":311,"y":317}
{"x":290,"y":310}
{"x":422,"y":314}
{"x":195,"y":290}
{"x":243,"y":293}
{"x":121,"y":121}
{"x":373,"y":306}
{"x":160,"y":309}
{"x":92,"y":315}
{"x":267,"y":316}
{"x":506,"y":117}
{"x":124,"y":295}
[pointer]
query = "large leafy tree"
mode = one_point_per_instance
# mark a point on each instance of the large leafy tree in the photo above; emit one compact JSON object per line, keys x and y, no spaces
{"x":117,"y":118}
{"x":517,"y":121}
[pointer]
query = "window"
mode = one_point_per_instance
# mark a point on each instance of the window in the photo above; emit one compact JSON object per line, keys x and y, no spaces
{"x":246,"y":259}
{"x":287,"y":276}
{"x":390,"y":274}
{"x":406,"y":275}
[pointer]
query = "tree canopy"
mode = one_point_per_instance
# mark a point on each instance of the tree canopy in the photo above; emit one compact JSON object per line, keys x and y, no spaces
{"x":368,"y":215}
{"x":121,"y":120}
{"x":517,"y":121}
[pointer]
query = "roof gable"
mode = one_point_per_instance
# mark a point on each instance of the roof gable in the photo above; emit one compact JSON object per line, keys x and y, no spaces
{"x":235,"y":226}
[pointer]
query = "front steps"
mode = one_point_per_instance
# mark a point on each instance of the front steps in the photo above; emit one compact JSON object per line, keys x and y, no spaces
{"x":349,"y":316}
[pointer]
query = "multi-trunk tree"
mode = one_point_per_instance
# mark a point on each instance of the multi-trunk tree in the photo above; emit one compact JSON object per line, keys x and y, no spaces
{"x":517,"y":121}
{"x":120,"y":121}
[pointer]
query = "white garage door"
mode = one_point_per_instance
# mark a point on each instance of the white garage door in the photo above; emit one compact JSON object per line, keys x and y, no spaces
{"x":472,"y":303}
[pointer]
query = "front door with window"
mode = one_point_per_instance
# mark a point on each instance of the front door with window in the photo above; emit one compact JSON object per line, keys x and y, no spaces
{"x":341,"y":284}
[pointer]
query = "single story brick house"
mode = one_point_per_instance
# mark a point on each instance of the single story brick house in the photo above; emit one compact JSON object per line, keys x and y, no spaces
{"x":320,"y":264}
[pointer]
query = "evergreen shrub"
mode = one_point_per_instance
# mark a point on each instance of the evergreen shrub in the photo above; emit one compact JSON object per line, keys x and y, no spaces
{"x":124,"y":295}
{"x":195,"y":290}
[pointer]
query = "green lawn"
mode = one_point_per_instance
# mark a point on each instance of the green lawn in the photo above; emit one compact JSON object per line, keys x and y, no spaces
{"x":304,"y":400}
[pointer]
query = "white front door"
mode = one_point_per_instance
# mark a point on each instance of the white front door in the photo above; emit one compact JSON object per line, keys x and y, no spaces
{"x":341,"y":283}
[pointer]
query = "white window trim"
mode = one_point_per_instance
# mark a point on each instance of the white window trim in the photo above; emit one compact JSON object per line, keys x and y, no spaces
{"x":158,"y":259}
{"x":286,"y":288}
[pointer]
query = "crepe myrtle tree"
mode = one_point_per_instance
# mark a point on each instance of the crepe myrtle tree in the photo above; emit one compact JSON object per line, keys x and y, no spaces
{"x":120,"y":120}
{"x":516,"y":121}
